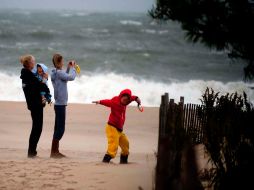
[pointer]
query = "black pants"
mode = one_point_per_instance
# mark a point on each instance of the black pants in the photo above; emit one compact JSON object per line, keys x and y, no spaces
{"x":37,"y":118}
{"x":60,"y":115}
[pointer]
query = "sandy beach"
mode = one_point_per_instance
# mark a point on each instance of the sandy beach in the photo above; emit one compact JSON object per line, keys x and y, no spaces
{"x":84,"y":143}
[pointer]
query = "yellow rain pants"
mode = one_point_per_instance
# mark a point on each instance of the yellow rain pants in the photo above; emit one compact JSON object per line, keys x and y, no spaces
{"x":115,"y":139}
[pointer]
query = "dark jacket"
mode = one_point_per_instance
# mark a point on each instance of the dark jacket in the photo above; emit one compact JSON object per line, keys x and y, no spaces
{"x":32,"y":88}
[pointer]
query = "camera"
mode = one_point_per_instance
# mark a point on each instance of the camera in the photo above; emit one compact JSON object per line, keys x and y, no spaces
{"x":72,"y":63}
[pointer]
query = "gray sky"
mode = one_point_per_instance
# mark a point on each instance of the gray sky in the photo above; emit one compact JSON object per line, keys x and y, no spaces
{"x":90,"y":5}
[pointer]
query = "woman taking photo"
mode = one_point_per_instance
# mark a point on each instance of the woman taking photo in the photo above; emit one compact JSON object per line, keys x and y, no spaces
{"x":32,"y":88}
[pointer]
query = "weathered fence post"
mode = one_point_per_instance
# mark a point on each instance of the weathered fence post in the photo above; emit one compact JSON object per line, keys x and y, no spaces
{"x":181,"y":111}
{"x":162,"y":159}
{"x":163,"y":116}
{"x":170,"y":125}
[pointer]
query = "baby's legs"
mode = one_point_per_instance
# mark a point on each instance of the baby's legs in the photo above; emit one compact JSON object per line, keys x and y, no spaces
{"x":44,"y":100}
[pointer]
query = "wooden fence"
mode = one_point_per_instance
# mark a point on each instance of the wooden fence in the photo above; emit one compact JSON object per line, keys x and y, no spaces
{"x":180,"y":126}
{"x":193,"y":122}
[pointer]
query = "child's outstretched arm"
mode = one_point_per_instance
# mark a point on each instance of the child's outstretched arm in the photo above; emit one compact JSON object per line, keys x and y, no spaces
{"x":103,"y":102}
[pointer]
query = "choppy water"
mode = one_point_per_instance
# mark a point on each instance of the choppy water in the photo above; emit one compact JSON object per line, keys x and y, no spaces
{"x":114,"y":51}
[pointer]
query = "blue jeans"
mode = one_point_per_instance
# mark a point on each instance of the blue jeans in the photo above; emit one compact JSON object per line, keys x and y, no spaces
{"x":60,"y":115}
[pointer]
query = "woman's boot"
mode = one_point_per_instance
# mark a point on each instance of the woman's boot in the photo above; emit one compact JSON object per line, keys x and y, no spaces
{"x":55,"y":150}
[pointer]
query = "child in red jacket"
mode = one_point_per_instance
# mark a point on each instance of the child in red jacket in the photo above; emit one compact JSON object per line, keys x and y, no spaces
{"x":114,"y":127}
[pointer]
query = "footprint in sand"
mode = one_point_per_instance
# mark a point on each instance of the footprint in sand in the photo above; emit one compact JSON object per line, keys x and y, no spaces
{"x":56,"y":178}
{"x":22,"y":175}
{"x":72,"y":182}
{"x":11,"y":181}
{"x":48,"y":185}
{"x":7,"y":173}
{"x":99,"y":173}
{"x":98,"y":181}
{"x":91,"y":187}
{"x":66,"y":169}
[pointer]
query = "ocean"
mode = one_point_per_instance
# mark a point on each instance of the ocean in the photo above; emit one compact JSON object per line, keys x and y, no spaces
{"x":115,"y":51}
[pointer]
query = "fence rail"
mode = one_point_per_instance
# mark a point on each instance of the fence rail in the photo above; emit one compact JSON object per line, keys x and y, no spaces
{"x":186,"y":115}
{"x":193,"y":122}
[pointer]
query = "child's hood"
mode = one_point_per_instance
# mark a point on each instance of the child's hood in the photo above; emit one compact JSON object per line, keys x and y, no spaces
{"x":44,"y":67}
{"x":126,"y":91}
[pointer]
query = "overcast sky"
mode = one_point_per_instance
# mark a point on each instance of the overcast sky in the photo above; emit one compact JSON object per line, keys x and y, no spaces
{"x":90,"y":5}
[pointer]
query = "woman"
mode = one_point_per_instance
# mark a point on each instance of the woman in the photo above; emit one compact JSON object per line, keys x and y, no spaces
{"x":59,"y":78}
{"x":32,"y":89}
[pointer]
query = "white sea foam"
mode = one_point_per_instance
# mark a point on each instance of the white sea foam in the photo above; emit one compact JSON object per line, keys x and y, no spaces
{"x":80,"y":14}
{"x":66,"y":15}
{"x":5,"y":21}
{"x":23,"y":12}
{"x":89,"y":87}
{"x":152,"y":31}
{"x":89,"y":30}
{"x":92,"y":30}
{"x":4,"y":46}
{"x":105,"y":30}
{"x":153,"y":23}
{"x":131,"y":22}
{"x":163,"y":31}
{"x":149,"y":31}
{"x":21,"y":45}
{"x":146,"y":54}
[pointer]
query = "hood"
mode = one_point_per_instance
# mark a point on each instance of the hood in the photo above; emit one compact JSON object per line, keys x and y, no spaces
{"x":53,"y":74}
{"x":44,"y":67}
{"x":126,"y":91}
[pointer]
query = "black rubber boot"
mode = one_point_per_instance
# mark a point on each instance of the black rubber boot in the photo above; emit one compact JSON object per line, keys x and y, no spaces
{"x":124,"y":159}
{"x":106,"y":158}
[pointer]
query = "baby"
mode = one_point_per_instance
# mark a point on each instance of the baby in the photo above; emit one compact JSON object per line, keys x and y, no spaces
{"x":42,"y":75}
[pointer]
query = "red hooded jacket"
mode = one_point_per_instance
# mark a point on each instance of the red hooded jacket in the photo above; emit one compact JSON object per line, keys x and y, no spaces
{"x":117,"y":115}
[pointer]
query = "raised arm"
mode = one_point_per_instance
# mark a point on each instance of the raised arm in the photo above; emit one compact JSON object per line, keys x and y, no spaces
{"x":69,"y":75}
